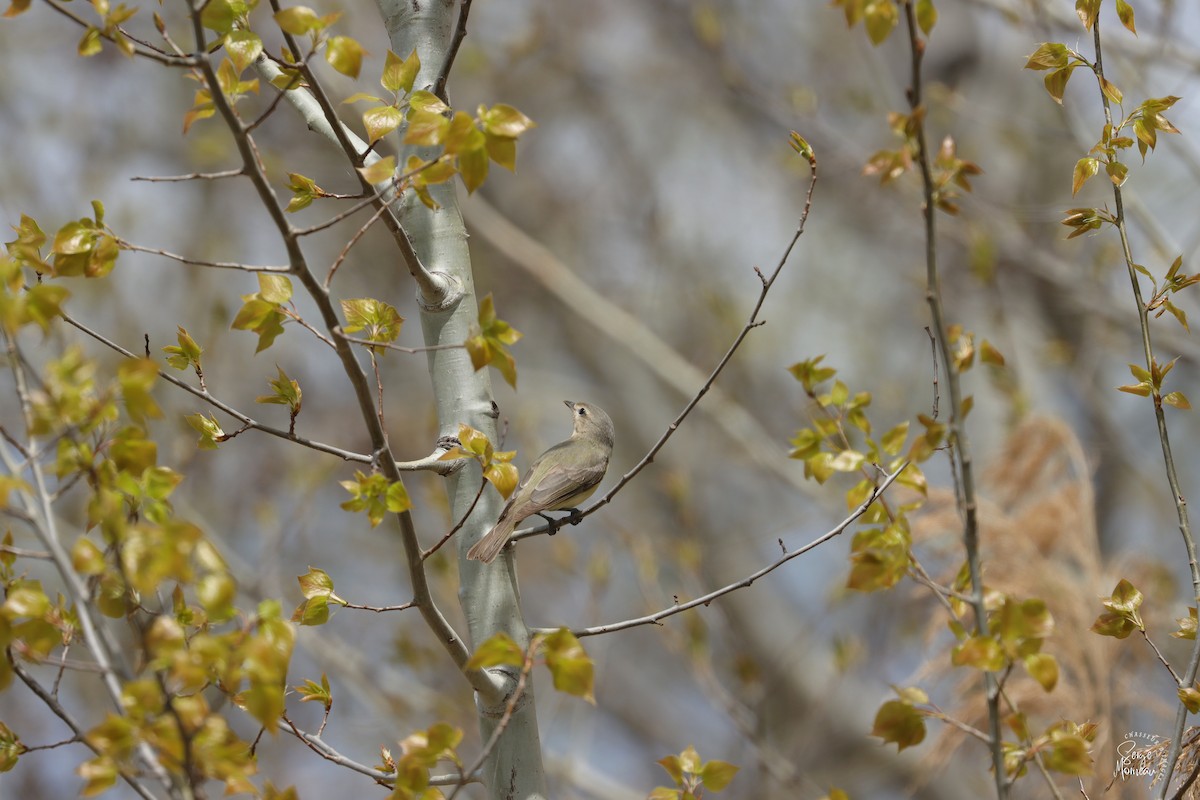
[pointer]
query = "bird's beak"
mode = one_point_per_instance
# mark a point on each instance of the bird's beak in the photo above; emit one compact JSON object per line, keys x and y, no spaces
{"x":569,"y":404}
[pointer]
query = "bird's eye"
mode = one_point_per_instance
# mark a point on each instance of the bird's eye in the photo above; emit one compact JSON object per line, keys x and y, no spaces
{"x":583,"y":412}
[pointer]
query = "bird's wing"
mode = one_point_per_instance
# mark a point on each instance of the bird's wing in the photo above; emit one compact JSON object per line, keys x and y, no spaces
{"x":560,"y":484}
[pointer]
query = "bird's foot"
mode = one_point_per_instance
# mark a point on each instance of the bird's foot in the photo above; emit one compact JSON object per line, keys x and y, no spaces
{"x":553,"y":523}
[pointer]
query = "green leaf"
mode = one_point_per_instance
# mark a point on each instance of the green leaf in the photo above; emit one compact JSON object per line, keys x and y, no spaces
{"x":1125,"y":14}
{"x":316,"y":583}
{"x":186,"y":354}
{"x":504,"y":121}
{"x":380,"y":171}
{"x":210,"y":432}
{"x":1187,"y":626}
{"x":1085,"y":168}
{"x":473,"y":166}
{"x":1115,"y":625}
{"x":1049,"y":55}
{"x":569,"y":664}
{"x":422,"y":100}
{"x":1178,"y":400}
{"x":274,"y":288}
{"x":899,"y":723}
{"x":673,"y":767}
{"x":380,"y":321}
{"x":91,"y":43}
{"x":298,"y":20}
{"x":1117,"y":172}
{"x":489,"y":341}
{"x":892,"y":442}
{"x":426,"y":128}
{"x":1110,"y":90}
{"x":137,"y":377}
{"x":988,"y":354}
{"x":717,"y":774}
{"x":926,"y":16}
{"x":218,"y":15}
{"x":345,"y":55}
{"x":304,"y":190}
{"x":376,"y":496}
{"x":1043,"y":668}
{"x":801,"y":146}
{"x":498,"y":650}
{"x":243,"y":48}
{"x":1087,"y":11}
{"x":1056,"y":82}
{"x":286,"y":392}
{"x":980,"y":652}
{"x":399,"y":75}
{"x":380,"y":121}
{"x":880,"y":18}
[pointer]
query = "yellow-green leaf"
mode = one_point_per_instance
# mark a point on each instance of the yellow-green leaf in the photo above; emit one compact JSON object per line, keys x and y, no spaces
{"x":498,"y":650}
{"x":298,"y":20}
{"x":380,"y":171}
{"x":345,"y":55}
{"x":1125,"y":14}
{"x":399,"y":75}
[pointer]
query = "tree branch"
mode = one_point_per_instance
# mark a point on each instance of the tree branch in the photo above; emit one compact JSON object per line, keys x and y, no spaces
{"x":752,"y":322}
{"x":653,"y":619}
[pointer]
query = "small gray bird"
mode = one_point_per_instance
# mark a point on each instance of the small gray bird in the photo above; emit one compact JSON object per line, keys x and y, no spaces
{"x":561,"y":478}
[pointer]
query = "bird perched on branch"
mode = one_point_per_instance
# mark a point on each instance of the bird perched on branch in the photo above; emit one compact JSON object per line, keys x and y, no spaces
{"x":561,"y":478}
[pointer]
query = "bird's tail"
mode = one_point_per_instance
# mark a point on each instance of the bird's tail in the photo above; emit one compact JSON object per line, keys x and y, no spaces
{"x":487,"y":548}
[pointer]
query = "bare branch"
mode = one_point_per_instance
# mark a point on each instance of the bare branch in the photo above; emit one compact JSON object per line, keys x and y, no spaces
{"x":77,"y":729}
{"x":337,"y":262}
{"x":752,"y":322}
{"x":125,"y":245}
{"x":409,"y":350}
{"x":458,"y":526}
{"x":193,"y":176}
{"x":657,"y":616}
{"x":204,"y":395}
{"x":142,"y":50}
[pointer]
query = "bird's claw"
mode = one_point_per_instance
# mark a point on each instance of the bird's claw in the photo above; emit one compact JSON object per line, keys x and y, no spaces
{"x":574,"y":517}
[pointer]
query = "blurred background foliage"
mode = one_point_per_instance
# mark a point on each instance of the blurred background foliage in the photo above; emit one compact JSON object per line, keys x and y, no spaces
{"x":659,"y":176}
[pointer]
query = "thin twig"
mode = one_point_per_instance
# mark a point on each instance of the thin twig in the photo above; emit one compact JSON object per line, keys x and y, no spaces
{"x":153,"y":55}
{"x":378,"y":194}
{"x":390,"y":346}
{"x":195,"y":262}
{"x":1162,"y":659}
{"x":293,"y":314}
{"x":752,"y":322}
{"x":193,"y":176}
{"x":426,"y":554}
{"x":380,"y":609}
{"x":936,"y":394}
{"x":77,"y":729}
{"x":318,"y":746}
{"x":204,"y":395}
{"x":653,"y":619}
{"x":366,"y":226}
{"x":21,"y":552}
